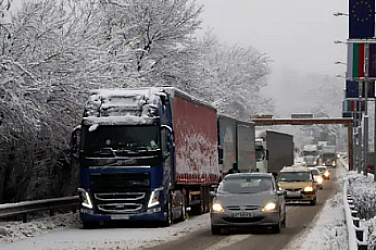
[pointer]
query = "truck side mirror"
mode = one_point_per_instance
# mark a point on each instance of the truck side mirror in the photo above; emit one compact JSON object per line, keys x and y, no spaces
{"x":267,"y":155}
{"x":220,"y":155}
{"x":75,"y":142}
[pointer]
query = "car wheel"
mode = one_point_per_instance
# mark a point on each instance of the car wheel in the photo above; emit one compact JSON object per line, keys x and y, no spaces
{"x":215,"y":230}
{"x":313,"y":202}
{"x":284,"y":222}
{"x":276,"y":228}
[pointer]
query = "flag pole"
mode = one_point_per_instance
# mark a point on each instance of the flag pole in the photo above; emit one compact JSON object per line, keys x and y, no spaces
{"x":366,"y":65}
{"x":358,"y":117}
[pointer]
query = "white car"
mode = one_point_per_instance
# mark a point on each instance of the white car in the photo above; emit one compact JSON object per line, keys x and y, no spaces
{"x":318,"y":177}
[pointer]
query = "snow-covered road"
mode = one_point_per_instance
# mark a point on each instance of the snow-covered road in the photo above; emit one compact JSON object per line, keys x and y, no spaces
{"x":63,"y":232}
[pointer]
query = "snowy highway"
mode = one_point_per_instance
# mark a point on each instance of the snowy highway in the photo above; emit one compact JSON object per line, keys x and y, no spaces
{"x":299,"y":218}
{"x":192,"y":234}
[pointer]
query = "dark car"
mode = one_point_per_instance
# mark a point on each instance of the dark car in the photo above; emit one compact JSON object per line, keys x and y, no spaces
{"x":247,"y":200}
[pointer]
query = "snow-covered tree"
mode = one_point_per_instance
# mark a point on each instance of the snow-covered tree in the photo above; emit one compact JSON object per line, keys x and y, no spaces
{"x":231,"y":78}
{"x":54,"y":51}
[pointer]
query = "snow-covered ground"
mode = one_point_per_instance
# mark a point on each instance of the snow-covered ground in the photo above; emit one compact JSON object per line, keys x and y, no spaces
{"x":328,"y":231}
{"x":34,"y":235}
{"x":363,"y":190}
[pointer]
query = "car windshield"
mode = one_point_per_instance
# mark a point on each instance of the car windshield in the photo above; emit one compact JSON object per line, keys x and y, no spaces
{"x":246,"y":184}
{"x":321,"y":169}
{"x":294,"y":177}
{"x":315,"y":172}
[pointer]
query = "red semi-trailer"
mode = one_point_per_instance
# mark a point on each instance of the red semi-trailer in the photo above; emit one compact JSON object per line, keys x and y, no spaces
{"x":196,"y":156}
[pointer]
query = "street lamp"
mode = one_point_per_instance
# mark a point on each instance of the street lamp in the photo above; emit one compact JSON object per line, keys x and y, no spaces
{"x":340,"y":14}
{"x":340,"y":42}
{"x":340,"y":63}
{"x":341,"y":76}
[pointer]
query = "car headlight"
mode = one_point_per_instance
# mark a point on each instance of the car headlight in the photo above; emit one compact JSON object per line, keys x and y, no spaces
{"x":326,"y":174}
{"x":269,"y":207}
{"x":314,"y":162}
{"x":319,"y":180}
{"x":85,"y":198}
{"x":217,"y":207}
{"x":154,"y":198}
{"x":308,"y":189}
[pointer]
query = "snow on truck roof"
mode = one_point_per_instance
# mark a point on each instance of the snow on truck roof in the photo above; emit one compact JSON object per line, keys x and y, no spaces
{"x":149,"y":93}
{"x":132,"y":106}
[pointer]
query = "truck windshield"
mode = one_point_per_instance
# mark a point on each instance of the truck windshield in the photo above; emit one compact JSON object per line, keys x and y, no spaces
{"x":309,"y":153}
{"x":329,"y":156}
{"x":260,"y":154}
{"x":294,"y":176}
{"x":120,"y":139}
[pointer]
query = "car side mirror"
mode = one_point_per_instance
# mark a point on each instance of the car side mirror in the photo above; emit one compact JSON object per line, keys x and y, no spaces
{"x":212,"y":194}
{"x":282,"y":192}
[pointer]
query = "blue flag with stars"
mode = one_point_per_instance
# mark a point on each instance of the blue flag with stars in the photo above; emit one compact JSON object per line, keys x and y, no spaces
{"x":352,"y":89}
{"x":362,"y":19}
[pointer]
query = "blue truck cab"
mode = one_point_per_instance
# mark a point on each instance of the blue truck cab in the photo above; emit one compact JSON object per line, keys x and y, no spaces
{"x":125,"y":152}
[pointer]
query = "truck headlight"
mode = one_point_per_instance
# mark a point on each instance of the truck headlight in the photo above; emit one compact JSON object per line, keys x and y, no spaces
{"x":217,"y":207}
{"x":269,"y":207}
{"x":308,"y":189}
{"x":85,"y":198}
{"x":154,"y":198}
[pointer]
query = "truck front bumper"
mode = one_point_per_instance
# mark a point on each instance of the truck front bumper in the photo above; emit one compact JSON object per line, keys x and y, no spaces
{"x":87,"y":215}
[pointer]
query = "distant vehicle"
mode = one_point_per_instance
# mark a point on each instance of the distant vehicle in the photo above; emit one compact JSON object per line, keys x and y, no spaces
{"x":274,"y":150}
{"x":324,"y":172}
{"x":310,"y":155}
{"x":298,"y":181}
{"x":236,"y":143}
{"x":248,"y":199}
{"x":329,"y":156}
{"x":317,"y":177}
{"x":370,"y":162}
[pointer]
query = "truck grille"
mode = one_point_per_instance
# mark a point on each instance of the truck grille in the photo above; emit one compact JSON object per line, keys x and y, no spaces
{"x":121,"y":193}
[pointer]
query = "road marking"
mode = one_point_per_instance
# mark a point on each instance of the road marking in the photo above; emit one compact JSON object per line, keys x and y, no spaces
{"x":228,"y":241}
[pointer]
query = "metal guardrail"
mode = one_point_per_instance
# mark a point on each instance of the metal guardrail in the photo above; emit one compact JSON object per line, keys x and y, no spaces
{"x":356,"y":231}
{"x":25,"y":207}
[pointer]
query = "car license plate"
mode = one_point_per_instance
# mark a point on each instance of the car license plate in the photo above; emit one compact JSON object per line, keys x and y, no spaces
{"x":119,"y":217}
{"x":242,"y":215}
{"x":293,"y":194}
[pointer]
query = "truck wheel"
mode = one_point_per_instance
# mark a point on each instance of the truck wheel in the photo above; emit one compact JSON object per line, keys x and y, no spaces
{"x":169,"y":219}
{"x":89,"y":225}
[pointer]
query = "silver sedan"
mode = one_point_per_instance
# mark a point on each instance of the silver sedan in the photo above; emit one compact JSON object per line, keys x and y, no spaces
{"x":248,"y":200}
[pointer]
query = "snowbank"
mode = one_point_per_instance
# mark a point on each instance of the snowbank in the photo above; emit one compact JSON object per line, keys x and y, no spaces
{"x":17,"y":230}
{"x":72,"y":237}
{"x":363,"y":190}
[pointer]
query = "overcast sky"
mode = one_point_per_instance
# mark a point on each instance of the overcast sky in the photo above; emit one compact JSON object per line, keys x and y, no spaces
{"x":297,"y":34}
